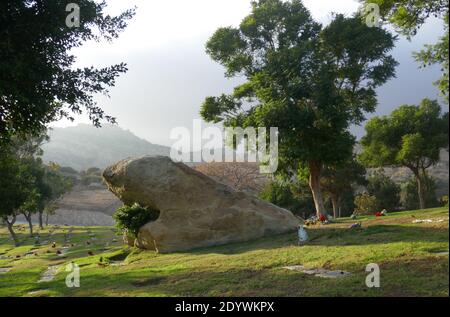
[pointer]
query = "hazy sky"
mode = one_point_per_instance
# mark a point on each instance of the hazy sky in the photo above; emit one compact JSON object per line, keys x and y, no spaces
{"x":170,"y":74}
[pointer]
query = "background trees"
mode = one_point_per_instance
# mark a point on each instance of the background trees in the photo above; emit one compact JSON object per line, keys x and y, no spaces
{"x":38,"y":83}
{"x":412,"y":136}
{"x":385,"y":190}
{"x":337,"y":181}
{"x":310,"y":82}
{"x":27,"y":186}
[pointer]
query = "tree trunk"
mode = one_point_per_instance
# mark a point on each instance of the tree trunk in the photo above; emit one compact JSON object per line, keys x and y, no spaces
{"x":314,"y":183}
{"x":41,"y":224}
{"x":420,"y":189}
{"x":335,"y":203}
{"x":30,"y":223}
{"x":10,"y":225}
{"x":420,"y":192}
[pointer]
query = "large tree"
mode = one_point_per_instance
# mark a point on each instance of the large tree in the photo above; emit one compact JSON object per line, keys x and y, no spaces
{"x":408,"y":16}
{"x":38,"y":80}
{"x":311,"y":82}
{"x":412,"y":136}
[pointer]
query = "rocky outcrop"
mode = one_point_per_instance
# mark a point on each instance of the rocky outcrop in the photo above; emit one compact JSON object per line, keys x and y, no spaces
{"x":195,"y":211}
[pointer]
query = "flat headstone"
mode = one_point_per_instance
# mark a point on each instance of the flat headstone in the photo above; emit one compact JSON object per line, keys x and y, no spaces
{"x":49,"y":274}
{"x":4,"y":270}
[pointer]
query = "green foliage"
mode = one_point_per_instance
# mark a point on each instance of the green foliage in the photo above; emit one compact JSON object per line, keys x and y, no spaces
{"x":338,"y":183}
{"x":295,"y":197}
{"x":132,"y":218}
{"x":410,"y":197}
{"x":311,"y":82}
{"x":365,"y":204}
{"x":408,"y":16}
{"x":385,"y":190}
{"x":444,"y":201}
{"x":39,"y":83}
{"x":412,"y":136}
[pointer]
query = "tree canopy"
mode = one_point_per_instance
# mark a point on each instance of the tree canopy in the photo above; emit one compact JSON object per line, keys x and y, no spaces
{"x":38,"y":81}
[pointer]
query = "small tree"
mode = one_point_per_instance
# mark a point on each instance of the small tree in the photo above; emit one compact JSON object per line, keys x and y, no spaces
{"x":337,"y":180}
{"x":412,"y":136}
{"x":365,"y":204}
{"x":410,"y":198}
{"x":132,"y":218}
{"x":15,"y":184}
{"x":386,"y":191}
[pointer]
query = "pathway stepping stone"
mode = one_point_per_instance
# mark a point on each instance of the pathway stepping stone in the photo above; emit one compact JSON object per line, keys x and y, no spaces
{"x":318,"y":272}
{"x":4,"y":270}
{"x":50,"y":274}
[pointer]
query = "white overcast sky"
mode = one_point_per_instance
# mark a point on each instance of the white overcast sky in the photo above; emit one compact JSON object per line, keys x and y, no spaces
{"x":170,"y":74}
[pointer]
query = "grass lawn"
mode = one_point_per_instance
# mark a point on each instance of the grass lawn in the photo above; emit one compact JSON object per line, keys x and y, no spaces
{"x":413,"y":260}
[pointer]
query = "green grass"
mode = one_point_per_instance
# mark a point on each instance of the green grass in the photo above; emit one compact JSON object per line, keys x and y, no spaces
{"x":409,"y":255}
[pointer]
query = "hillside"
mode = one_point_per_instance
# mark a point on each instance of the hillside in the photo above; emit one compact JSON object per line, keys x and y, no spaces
{"x":411,"y":249}
{"x":85,"y":146}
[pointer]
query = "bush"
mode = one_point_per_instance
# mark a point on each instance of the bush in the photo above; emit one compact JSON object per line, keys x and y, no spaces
{"x":444,"y":201}
{"x":365,"y":204}
{"x":133,"y":218}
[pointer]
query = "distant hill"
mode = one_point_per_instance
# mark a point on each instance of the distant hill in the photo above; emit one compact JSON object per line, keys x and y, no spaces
{"x":85,"y":146}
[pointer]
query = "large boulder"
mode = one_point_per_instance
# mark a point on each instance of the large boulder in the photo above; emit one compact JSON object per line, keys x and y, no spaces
{"x":195,"y":211}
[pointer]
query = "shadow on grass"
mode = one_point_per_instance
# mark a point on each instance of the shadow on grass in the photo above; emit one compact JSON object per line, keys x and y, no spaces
{"x":416,"y":277}
{"x":378,"y":234}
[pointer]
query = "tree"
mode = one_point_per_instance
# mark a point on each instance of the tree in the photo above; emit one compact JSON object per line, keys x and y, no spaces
{"x":310,"y":82}
{"x":410,"y":198}
{"x":385,"y":190}
{"x":412,"y":136}
{"x":55,"y":186}
{"x":35,"y":191}
{"x":38,"y":81}
{"x":14,"y":189}
{"x":408,"y":16}
{"x":337,"y":180}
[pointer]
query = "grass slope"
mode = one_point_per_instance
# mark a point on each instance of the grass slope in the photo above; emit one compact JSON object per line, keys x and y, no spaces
{"x":412,"y":259}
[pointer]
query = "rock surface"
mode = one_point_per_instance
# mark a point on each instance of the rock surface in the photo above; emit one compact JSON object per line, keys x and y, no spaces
{"x":195,"y":211}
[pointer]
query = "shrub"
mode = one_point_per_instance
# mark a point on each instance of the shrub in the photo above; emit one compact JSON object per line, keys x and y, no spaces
{"x":132,"y":218}
{"x":444,"y":201}
{"x":365,"y":204}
